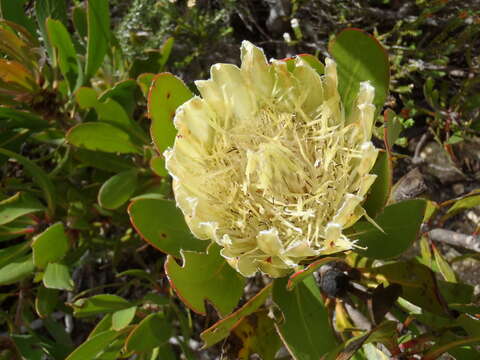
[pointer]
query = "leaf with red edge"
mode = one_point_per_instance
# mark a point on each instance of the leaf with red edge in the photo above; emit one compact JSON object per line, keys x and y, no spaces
{"x":163,"y":226}
{"x":360,"y":57}
{"x":167,"y":93}
{"x":301,"y":275}
{"x":221,"y":329}
{"x":205,"y":277}
{"x":313,"y":62}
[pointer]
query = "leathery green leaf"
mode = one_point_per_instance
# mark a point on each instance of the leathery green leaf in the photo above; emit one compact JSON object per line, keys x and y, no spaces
{"x":18,"y":205}
{"x":57,"y":276}
{"x":399,"y":224}
{"x":167,"y":93}
{"x":166,"y":230}
{"x":151,"y":332}
{"x":101,"y":136}
{"x":360,"y":57}
{"x":305,"y":331}
{"x":205,"y":277}
{"x":118,"y":189}
{"x":50,"y":246}
{"x":98,"y":304}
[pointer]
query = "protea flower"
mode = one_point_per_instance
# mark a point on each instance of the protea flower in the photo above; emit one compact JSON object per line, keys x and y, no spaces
{"x":267,"y":165}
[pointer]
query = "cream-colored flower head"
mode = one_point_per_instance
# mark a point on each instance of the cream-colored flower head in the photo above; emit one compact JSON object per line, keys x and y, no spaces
{"x":266,"y":164}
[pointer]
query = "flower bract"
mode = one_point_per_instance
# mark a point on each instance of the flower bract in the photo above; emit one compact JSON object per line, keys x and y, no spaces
{"x":267,"y":165}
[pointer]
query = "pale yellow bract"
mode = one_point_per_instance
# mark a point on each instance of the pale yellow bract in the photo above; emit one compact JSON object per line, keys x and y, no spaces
{"x":266,"y":164}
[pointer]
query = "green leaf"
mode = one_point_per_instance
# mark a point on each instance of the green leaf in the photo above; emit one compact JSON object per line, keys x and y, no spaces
{"x":11,"y":118}
{"x":122,"y":318}
{"x":39,"y":176}
{"x":14,"y":11}
{"x":16,"y":271}
{"x":384,"y":333}
{"x":150,"y":333}
{"x":28,"y":346}
{"x":306,"y":331}
{"x":101,"y":136}
{"x":86,"y":97}
{"x":205,"y":277}
{"x":98,"y":17}
{"x":400,"y":223}
{"x":313,"y":62}
{"x":380,"y":191}
{"x":443,"y":266}
{"x":393,"y":127}
{"x":360,"y":57}
{"x":46,"y":301}
{"x":163,"y":226}
{"x":118,"y":189}
{"x":66,"y":56}
{"x":301,"y":275}
{"x":57,"y":276}
{"x":20,"y":227}
{"x":11,"y":253}
{"x":467,"y":201}
{"x":123,"y":92}
{"x":113,"y":113}
{"x":157,"y":164}
{"x":98,"y":304}
{"x":153,"y":61}
{"x":94,"y":346}
{"x":145,"y":81}
{"x":167,"y":93}
{"x":18,"y":205}
{"x":50,"y":246}
{"x":53,"y":9}
{"x":103,"y":161}
{"x":221,"y":329}
{"x":436,"y":351}
{"x":80,"y":22}
{"x":454,"y":292}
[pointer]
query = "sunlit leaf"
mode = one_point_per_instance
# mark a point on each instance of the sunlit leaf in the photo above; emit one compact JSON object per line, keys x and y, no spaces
{"x":50,"y":246}
{"x":400,"y":224}
{"x":205,"y":277}
{"x":98,"y":304}
{"x":166,"y":94}
{"x":57,"y":276}
{"x":16,"y":270}
{"x":162,"y":225}
{"x":360,"y":57}
{"x":18,"y":205}
{"x":101,"y":136}
{"x":94,"y":346}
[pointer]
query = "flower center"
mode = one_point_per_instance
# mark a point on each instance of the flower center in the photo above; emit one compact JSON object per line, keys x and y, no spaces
{"x":280,"y":170}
